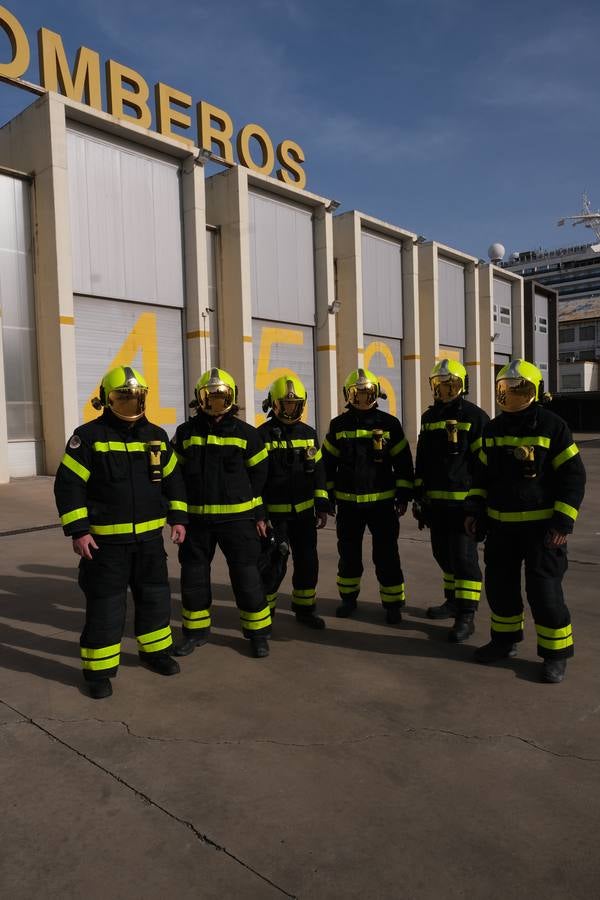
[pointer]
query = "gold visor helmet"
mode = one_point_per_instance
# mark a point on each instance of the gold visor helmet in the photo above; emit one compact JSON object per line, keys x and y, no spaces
{"x":216,"y":392}
{"x":448,"y":380}
{"x":361,"y":389}
{"x":123,"y":390}
{"x":518,"y":385}
{"x":287,"y":397}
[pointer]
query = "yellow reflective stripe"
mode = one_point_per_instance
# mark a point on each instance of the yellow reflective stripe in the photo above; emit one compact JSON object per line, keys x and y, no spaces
{"x":555,"y":645}
{"x":359,"y":433}
{"x":448,"y":578}
{"x":446,"y":495}
{"x":100,"y":652}
{"x":402,"y":482}
{"x":253,"y":621}
{"x":435,"y":426}
{"x":96,"y":665}
{"x":213,"y":439}
{"x":508,"y":620}
{"x":300,"y":592}
{"x":141,"y":527}
{"x":399,"y":447}
{"x":533,"y":515}
{"x":477,"y":492}
{"x":195,"y":440}
{"x":330,"y":448}
{"x":306,"y":504}
{"x":418,"y":482}
{"x":468,"y":585}
{"x":220,"y":509}
{"x":462,"y":594}
{"x":124,"y":528}
{"x":392,"y":590}
{"x":151,"y":636}
{"x":543,"y":631}
{"x":177,"y":504}
{"x":482,"y":456}
{"x":320,"y":494}
{"x":318,"y":456}
{"x":365,"y":498}
{"x":123,"y":446}
{"x":195,"y":613}
{"x":75,"y":514}
{"x":258,"y":457}
{"x":76,"y":467}
{"x":507,"y":623}
{"x":195,"y":618}
{"x":573,"y":450}
{"x":272,"y":600}
{"x":531,"y":441}
{"x":342,"y":580}
{"x":475,"y":445}
{"x":169,"y":466}
{"x":567,"y":510}
{"x":329,"y":485}
{"x":279,"y":507}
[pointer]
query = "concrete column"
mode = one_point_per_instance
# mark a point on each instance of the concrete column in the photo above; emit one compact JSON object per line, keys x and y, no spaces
{"x":227,"y":206}
{"x":35,"y":141}
{"x":518,"y":319}
{"x":472,"y":349}
{"x":325,"y":331}
{"x":411,"y":342}
{"x":486,"y":344}
{"x":349,"y":322}
{"x":4,"y":478}
{"x":196,"y":271}
{"x":428,"y":312}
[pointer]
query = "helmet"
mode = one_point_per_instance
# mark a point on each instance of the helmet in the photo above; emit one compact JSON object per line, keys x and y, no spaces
{"x":448,"y":380}
{"x":518,"y":384}
{"x":216,"y":392}
{"x":361,"y":389}
{"x":287,"y":397}
{"x":123,"y":390}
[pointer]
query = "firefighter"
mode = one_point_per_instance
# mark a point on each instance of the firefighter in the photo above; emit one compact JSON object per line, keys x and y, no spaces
{"x":447,"y":449}
{"x":527,"y":492}
{"x":369,"y":472}
{"x":295,"y":494}
{"x":117,"y":484}
{"x":224,"y":465}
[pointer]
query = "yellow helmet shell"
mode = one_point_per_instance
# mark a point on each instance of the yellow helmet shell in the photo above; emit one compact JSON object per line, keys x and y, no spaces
{"x":287,"y":397}
{"x":123,"y":390}
{"x":216,"y":392}
{"x":448,"y":380}
{"x":361,"y":389}
{"x":518,"y":385}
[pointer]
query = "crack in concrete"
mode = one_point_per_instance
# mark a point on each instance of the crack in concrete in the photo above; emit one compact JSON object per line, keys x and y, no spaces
{"x":411,"y":730}
{"x":140,"y":795}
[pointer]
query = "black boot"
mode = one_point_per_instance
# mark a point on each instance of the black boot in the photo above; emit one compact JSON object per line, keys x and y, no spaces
{"x":463,"y":627}
{"x":448,"y":610}
{"x":188,"y":645}
{"x":346,"y":609}
{"x":260,"y":647}
{"x":554,"y":670}
{"x":161,"y":663}
{"x":494,"y":652}
{"x":311,"y":620}
{"x":393,"y":614}
{"x":98,"y":690}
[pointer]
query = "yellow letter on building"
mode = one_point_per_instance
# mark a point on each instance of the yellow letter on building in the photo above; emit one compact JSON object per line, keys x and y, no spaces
{"x":221,"y":135}
{"x":18,"y":43}
{"x":56,"y":76}
{"x":167,"y":116}
{"x":291,"y":156}
{"x":266,"y":147}
{"x":117,"y":96}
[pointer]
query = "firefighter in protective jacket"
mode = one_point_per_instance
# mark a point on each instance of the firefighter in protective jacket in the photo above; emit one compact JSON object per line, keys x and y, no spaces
{"x":295,"y":494}
{"x":527,"y":489}
{"x":117,"y":485}
{"x":447,"y":449}
{"x":369,"y":472}
{"x":224,"y":466}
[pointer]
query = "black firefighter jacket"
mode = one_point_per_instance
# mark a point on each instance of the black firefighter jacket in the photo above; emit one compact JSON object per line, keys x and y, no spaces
{"x":295,"y":483}
{"x":529,"y":470}
{"x":357,"y":470}
{"x":447,"y":451}
{"x":224,"y":466}
{"x":103,"y":485}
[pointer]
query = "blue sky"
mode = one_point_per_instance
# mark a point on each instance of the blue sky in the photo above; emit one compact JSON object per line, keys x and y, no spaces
{"x":464,"y":121}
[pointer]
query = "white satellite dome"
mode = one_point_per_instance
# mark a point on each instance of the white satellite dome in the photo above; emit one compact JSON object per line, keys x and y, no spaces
{"x":496,"y":252}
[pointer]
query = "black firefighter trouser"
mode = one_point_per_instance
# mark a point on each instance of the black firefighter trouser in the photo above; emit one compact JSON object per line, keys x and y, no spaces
{"x":382,"y":521}
{"x":104,"y":580}
{"x":507,"y":547}
{"x":240,"y":545}
{"x":456,"y":555}
{"x":300,"y":533}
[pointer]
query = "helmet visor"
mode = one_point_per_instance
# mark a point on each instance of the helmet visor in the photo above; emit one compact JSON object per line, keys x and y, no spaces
{"x":128,"y":403}
{"x":289,"y":410}
{"x":363,"y":395}
{"x":446,"y":387}
{"x":514,"y":394}
{"x":216,"y":400}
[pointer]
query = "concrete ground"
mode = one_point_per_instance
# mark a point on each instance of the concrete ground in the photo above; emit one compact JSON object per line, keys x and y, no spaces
{"x":363,"y":761}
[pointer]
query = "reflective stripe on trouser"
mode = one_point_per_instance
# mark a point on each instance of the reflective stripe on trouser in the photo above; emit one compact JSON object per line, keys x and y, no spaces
{"x":456,"y":555}
{"x":301,"y":534}
{"x":392,"y":594}
{"x":381,"y":520}
{"x":255,"y":624}
{"x":507,"y":548}
{"x":240,"y":545}
{"x":272,"y":601}
{"x":104,"y":580}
